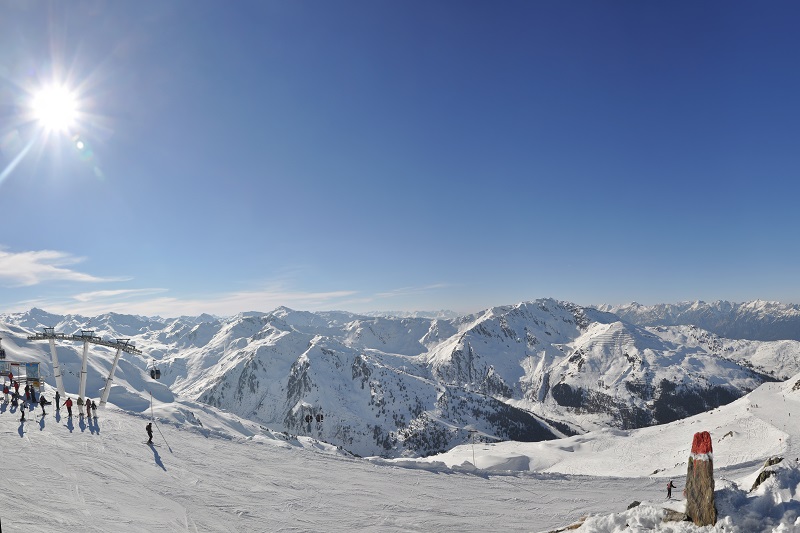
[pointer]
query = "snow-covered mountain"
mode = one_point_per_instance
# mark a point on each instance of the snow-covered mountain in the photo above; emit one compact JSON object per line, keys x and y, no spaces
{"x":394,"y":386}
{"x":756,"y":320}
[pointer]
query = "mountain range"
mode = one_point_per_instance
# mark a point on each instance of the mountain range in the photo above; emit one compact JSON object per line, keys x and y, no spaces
{"x":419,"y":385}
{"x":756,"y":320}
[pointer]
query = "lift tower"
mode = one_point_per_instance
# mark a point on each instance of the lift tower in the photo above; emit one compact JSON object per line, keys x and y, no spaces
{"x":87,"y":337}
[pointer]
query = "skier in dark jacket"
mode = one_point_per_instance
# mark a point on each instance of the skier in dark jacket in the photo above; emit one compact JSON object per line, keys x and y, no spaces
{"x":670,"y":486}
{"x":58,"y":399}
{"x":42,"y":402}
{"x":149,"y":428}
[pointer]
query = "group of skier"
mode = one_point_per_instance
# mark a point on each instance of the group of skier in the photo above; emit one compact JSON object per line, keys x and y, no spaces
{"x":32,"y":400}
{"x":30,"y":392}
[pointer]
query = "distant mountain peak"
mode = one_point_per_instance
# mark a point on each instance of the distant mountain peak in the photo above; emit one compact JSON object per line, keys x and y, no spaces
{"x":756,"y":319}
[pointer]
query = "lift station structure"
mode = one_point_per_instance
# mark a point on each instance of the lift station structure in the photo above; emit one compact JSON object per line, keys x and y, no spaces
{"x":86,"y":337}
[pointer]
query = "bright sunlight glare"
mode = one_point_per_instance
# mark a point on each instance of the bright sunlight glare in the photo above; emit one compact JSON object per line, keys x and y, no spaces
{"x":55,"y":108}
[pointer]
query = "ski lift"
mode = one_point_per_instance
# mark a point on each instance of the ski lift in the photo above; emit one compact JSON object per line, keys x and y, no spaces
{"x":155,"y":373}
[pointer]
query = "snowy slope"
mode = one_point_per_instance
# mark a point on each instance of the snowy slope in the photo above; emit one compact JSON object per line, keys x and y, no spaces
{"x":212,"y":471}
{"x":745,"y":433}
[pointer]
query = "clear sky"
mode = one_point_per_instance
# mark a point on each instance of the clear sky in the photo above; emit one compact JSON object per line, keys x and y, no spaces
{"x":417,"y":155}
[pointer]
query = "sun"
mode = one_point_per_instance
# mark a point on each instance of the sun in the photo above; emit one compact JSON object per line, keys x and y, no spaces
{"x":55,"y":107}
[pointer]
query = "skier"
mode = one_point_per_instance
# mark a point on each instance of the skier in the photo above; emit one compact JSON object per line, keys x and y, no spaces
{"x":88,"y":408}
{"x":16,"y":386}
{"x":94,"y":410}
{"x":68,"y":405}
{"x":670,"y":486}
{"x":27,"y":393}
{"x":5,"y":391}
{"x":80,"y":406}
{"x":10,"y":377}
{"x":33,"y":395}
{"x":58,"y":399}
{"x":149,"y":428}
{"x":22,"y":410}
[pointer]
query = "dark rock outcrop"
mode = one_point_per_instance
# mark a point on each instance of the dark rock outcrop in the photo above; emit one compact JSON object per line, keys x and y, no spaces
{"x":766,"y":472}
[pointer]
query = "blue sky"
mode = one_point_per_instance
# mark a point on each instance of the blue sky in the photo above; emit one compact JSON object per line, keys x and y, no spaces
{"x":398,"y":155}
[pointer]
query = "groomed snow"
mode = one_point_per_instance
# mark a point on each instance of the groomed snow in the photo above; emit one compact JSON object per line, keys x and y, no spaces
{"x":214,"y":472}
{"x":68,"y":475}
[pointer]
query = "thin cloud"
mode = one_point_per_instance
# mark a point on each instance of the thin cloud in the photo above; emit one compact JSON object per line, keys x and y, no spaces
{"x":405,"y":291}
{"x":119,"y":293}
{"x":225,"y":304}
{"x":25,"y":269}
{"x":134,"y":301}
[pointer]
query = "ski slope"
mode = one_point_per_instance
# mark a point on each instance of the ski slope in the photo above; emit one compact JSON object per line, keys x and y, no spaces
{"x":71,"y":475}
{"x":211,"y":471}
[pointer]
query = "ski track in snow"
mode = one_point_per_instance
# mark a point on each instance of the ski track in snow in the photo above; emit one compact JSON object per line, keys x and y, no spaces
{"x":107,"y":479}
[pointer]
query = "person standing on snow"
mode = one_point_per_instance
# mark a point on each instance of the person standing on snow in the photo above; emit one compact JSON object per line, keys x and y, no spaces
{"x":22,"y":410}
{"x":149,"y":428}
{"x":94,"y":410}
{"x":5,"y":391}
{"x":80,"y":406}
{"x":68,"y":405}
{"x":58,"y":399}
{"x":670,"y":486}
{"x":42,"y":402}
{"x":88,"y":408}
